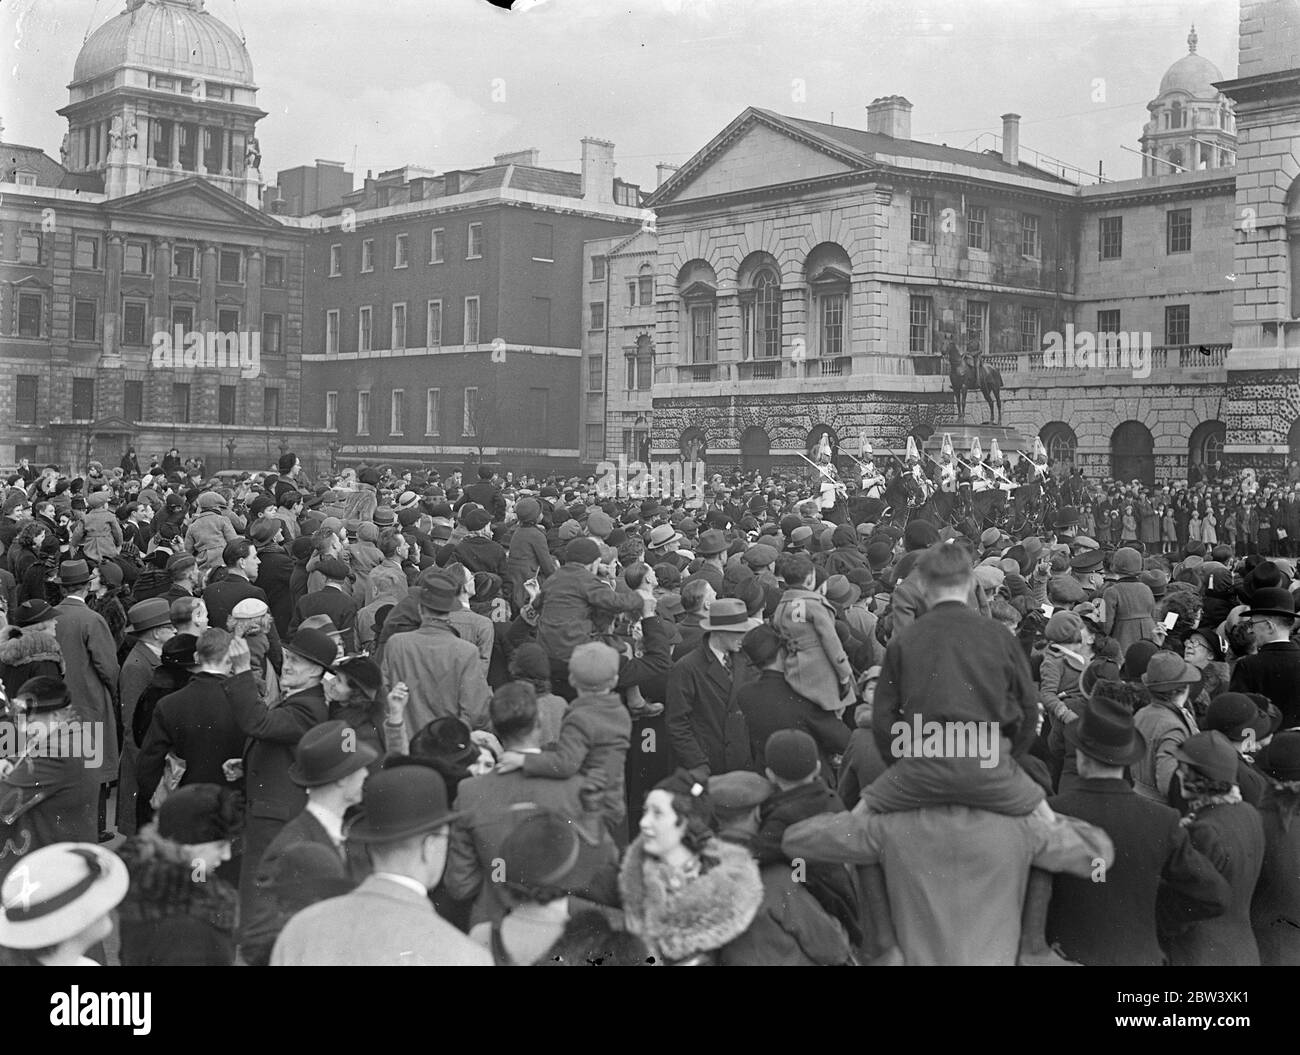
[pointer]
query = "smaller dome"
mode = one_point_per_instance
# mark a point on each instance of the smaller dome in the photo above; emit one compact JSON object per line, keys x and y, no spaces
{"x":1193,"y":74}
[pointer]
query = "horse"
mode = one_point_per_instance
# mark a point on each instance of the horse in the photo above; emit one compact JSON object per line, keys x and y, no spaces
{"x":967,"y":371}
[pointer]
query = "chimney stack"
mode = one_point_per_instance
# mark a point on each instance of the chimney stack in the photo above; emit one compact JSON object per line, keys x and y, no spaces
{"x":890,"y":115}
{"x":1011,"y":139}
{"x":598,"y":171}
{"x":518,"y":157}
{"x":663,"y":173}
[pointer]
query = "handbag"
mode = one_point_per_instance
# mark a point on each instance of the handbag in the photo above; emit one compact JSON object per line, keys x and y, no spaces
{"x":171,"y":780}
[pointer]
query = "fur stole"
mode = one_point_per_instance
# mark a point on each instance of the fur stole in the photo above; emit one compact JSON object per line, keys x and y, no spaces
{"x":701,"y":915}
{"x":29,"y":645}
{"x":164,"y":884}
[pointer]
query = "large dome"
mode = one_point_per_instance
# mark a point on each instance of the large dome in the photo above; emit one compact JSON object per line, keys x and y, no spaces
{"x":176,"y":36}
{"x":1193,"y":74}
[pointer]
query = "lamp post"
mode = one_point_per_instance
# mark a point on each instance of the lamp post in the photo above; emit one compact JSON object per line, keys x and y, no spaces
{"x":334,"y":447}
{"x":230,"y":451}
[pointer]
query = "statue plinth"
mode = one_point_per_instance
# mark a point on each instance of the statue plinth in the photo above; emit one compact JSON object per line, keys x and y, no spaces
{"x":963,"y":433}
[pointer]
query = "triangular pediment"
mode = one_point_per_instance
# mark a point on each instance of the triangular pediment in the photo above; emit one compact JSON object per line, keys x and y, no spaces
{"x":757,"y":150}
{"x":193,"y":200}
{"x":112,"y":425}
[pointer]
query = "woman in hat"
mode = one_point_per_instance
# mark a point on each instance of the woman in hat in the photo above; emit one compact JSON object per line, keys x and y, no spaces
{"x":29,"y":562}
{"x":30,"y":648}
{"x":251,"y":620}
{"x":106,"y":599}
{"x":60,"y":905}
{"x":1230,"y":833}
{"x":180,"y":911}
{"x":1130,"y":604}
{"x":1203,"y":649}
{"x":1165,"y":722}
{"x":354,"y":691}
{"x":1273,"y":908}
{"x":686,"y":893}
{"x":1209,"y":526}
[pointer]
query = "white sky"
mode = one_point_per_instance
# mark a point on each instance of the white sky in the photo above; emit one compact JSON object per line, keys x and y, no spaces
{"x":393,"y":82}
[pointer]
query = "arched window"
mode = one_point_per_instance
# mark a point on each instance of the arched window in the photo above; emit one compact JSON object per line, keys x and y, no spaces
{"x":641,"y":364}
{"x":636,"y":441}
{"x":1176,"y":115}
{"x":1132,"y":453}
{"x":829,"y":274}
{"x":1206,"y":444}
{"x":698,"y":285}
{"x":1060,"y":442}
{"x":759,"y":281}
{"x":693,"y":444}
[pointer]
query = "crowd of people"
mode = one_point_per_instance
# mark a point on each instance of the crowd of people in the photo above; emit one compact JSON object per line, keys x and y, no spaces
{"x":399,"y":717}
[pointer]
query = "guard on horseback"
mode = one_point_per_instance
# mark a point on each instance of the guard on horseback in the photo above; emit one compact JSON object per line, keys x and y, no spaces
{"x":873,"y":480}
{"x":832,"y":494}
{"x":920,"y":488}
{"x":948,"y":494}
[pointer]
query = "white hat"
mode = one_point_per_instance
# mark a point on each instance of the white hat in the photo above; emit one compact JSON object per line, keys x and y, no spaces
{"x":947,"y":446}
{"x":976,"y":451}
{"x":995,"y":452}
{"x":912,"y":455}
{"x":54,"y":893}
{"x":250,"y":608}
{"x":1040,"y":452}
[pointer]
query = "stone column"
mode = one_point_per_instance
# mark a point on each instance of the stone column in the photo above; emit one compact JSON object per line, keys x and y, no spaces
{"x":175,"y":160}
{"x":253,"y":291}
{"x":113,"y":299}
{"x":208,"y":289}
{"x":162,"y":272}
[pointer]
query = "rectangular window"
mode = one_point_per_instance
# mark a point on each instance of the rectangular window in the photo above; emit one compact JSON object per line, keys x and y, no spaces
{"x":363,"y":329}
{"x":331,"y":410}
{"x":433,"y":324}
{"x":646,"y":290}
{"x":471,"y":320}
{"x":368,"y":254}
{"x":228,"y":320}
{"x":597,"y":314}
{"x":396,"y":412}
{"x":133,"y":400}
{"x":1178,"y":228}
{"x":29,"y":248}
{"x":543,"y":242}
{"x":432,"y":407}
{"x":31,"y":310}
{"x":832,"y":335}
{"x":542,"y":320}
{"x":474,"y":242}
{"x":918,"y":325}
{"x":135,"y":258}
{"x":645,"y":362}
{"x":1110,"y":237}
{"x":226,"y":404}
{"x":631,"y":294}
{"x":25,"y":405}
{"x":273,"y":271}
{"x":702,"y":333}
{"x":1108,"y":323}
{"x":977,"y":326}
{"x":83,"y":320}
{"x":437,"y":241}
{"x":922,"y":219}
{"x":336,"y":261}
{"x":594,"y":441}
{"x":180,"y":403}
{"x":86,"y":253}
{"x":596,"y":373}
{"x":1030,"y":329}
{"x":470,"y":423}
{"x":598,"y":269}
{"x":230,"y":266}
{"x":184,"y":261}
{"x":400,"y":251}
{"x":133,"y":323}
{"x":273,"y":334}
{"x":271,"y":407}
{"x":183,"y":316}
{"x":398,"y":332}
{"x":332,"y":332}
{"x":977,"y":218}
{"x":83,"y":398}
{"x":1029,"y":243}
{"x":1178,"y":324}
{"x":539,"y":407}
{"x":363,"y":413}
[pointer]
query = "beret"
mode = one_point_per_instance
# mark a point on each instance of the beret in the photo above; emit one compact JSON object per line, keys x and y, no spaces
{"x":739,"y":790}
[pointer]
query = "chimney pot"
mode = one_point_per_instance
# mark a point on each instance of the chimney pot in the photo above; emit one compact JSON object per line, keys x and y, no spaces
{"x":1011,"y":139}
{"x":890,"y":115}
{"x":598,"y":171}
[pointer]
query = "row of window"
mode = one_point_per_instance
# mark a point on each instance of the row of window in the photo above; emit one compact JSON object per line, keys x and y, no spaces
{"x":640,"y":363}
{"x":137,"y":259}
{"x":472,"y":412}
{"x":398,"y":325}
{"x":543,"y":248}
{"x":135,"y":322}
{"x":26,"y":410}
{"x":1178,"y":234}
{"x":977,"y":227}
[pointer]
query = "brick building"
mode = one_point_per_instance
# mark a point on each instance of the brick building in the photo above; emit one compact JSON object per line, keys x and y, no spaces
{"x":447,"y":310}
{"x":150,"y":222}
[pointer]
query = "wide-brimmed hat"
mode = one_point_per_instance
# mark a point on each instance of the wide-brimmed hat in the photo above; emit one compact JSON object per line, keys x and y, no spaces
{"x":329,"y":752}
{"x":29,"y":613}
{"x":57,"y":892}
{"x":315,"y":646}
{"x":439,"y":592}
{"x":1211,"y":754}
{"x":400,"y":802}
{"x":729,"y":615}
{"x":1105,"y":731}
{"x":1272,"y":600}
{"x":1168,"y":671}
{"x":662,"y":535}
{"x":711,"y":543}
{"x":150,"y":613}
{"x":541,"y":851}
{"x":840,"y":592}
{"x":179,"y":650}
{"x":74,"y":572}
{"x":362,"y":673}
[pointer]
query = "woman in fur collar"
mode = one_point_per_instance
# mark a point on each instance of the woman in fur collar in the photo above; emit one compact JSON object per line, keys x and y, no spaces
{"x":30,"y":648}
{"x":685,"y":893}
{"x":179,"y":911}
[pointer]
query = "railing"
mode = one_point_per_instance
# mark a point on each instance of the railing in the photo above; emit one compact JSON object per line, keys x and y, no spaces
{"x":1163,"y":357}
{"x":830,"y":366}
{"x":697,"y":373}
{"x":759,"y":369}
